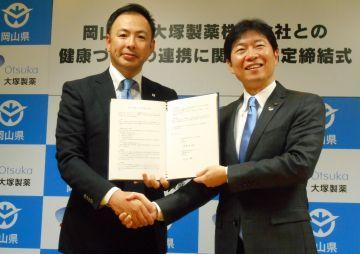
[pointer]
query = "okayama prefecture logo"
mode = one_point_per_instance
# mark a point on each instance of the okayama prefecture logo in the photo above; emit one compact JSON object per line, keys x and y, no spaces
{"x":8,"y":215}
{"x":16,"y":15}
{"x":330,"y":115}
{"x":11,"y":113}
{"x":323,"y":222}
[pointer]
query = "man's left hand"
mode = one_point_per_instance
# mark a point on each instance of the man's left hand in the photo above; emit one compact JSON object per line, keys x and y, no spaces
{"x":151,"y":182}
{"x":212,"y":176}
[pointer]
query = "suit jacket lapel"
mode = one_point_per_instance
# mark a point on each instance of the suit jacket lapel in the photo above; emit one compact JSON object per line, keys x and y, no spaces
{"x":271,"y":106}
{"x":104,"y":89}
{"x":231,"y":154}
{"x":148,"y":91}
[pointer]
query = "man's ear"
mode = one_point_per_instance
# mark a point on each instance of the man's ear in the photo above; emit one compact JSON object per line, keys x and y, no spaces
{"x":276,"y":54}
{"x":107,"y":42}
{"x":152,"y":46}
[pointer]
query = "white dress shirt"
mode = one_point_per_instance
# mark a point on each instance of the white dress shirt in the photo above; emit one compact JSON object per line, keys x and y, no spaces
{"x":117,"y":77}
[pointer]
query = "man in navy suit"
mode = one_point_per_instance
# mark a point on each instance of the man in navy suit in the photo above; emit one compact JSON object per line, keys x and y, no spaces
{"x":91,"y":223}
{"x":261,"y":182}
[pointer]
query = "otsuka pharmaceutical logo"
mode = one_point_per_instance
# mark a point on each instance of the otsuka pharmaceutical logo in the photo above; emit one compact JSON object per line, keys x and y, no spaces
{"x":2,"y":60}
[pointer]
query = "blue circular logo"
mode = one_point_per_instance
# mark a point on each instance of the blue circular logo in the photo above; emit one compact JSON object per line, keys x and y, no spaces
{"x":2,"y":60}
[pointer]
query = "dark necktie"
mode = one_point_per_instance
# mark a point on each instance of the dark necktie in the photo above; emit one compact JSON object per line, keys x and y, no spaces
{"x":126,"y":92}
{"x":248,"y":128}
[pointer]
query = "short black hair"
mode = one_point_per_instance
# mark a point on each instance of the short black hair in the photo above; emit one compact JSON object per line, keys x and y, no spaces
{"x":249,"y":25}
{"x":137,"y":8}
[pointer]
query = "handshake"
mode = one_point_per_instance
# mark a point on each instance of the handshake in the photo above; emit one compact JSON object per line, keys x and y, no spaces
{"x":134,"y":209}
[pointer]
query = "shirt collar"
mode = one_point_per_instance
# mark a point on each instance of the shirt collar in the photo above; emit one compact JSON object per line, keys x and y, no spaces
{"x":117,"y":77}
{"x":261,"y":97}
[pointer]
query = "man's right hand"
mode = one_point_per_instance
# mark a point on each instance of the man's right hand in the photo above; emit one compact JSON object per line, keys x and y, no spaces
{"x":140,"y":210}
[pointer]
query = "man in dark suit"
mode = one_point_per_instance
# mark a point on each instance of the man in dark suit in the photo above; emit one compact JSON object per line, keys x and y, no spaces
{"x":90,"y":223}
{"x":270,"y":139}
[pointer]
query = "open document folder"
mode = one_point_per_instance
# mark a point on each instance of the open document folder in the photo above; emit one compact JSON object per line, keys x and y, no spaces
{"x":172,"y":139}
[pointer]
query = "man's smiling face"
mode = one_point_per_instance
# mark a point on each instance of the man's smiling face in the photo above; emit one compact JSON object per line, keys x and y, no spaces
{"x":130,"y":43}
{"x":253,"y":61}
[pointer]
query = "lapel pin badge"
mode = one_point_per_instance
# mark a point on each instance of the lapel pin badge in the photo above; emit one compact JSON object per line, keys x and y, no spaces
{"x":153,"y":95}
{"x":271,"y":108}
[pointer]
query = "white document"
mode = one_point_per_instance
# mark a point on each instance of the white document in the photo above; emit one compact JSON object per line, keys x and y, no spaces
{"x":173,"y":140}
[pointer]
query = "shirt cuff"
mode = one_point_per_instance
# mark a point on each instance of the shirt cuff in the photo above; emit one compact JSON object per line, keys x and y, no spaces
{"x":226,"y":170}
{"x":160,"y":216}
{"x":108,"y":195}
